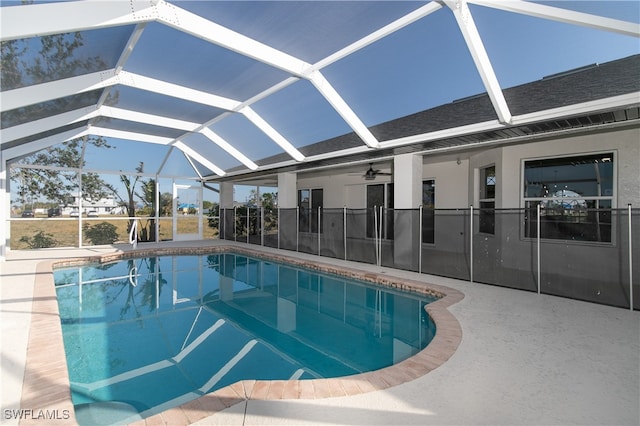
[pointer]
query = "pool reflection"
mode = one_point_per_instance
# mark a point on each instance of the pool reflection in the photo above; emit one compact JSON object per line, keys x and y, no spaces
{"x":204,"y":322}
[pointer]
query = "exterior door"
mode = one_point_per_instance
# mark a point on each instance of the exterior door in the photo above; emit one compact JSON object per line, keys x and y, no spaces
{"x":187,"y":212}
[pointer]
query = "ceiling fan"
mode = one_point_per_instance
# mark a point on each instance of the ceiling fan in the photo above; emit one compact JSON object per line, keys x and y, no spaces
{"x":372,"y":173}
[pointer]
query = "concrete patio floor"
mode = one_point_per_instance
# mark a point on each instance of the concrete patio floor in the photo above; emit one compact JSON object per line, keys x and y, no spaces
{"x":524,"y":358}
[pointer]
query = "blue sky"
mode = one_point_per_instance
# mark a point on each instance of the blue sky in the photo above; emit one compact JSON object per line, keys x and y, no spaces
{"x":421,"y":66}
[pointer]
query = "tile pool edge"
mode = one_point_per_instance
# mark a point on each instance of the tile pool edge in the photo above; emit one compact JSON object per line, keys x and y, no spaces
{"x":46,"y":389}
{"x":49,"y":367}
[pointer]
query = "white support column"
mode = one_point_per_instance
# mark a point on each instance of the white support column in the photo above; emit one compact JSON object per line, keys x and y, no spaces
{"x":407,"y":179}
{"x":226,"y":203}
{"x":407,"y":188}
{"x":226,"y":195}
{"x":287,"y":190}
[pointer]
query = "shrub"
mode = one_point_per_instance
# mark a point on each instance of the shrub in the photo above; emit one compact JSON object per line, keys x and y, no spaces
{"x":39,"y":240}
{"x":213,"y":220}
{"x":101,"y":233}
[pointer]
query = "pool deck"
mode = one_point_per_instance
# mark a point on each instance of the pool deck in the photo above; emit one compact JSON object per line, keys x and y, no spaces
{"x":523,"y":358}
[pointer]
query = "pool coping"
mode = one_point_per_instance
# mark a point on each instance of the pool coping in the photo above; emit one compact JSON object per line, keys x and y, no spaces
{"x":48,"y":369}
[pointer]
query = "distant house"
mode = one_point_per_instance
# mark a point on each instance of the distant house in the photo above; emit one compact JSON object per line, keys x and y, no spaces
{"x":186,"y":207}
{"x":107,"y":205}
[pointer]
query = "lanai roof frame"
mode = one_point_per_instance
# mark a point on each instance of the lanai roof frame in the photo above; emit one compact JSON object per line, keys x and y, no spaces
{"x":139,"y":14}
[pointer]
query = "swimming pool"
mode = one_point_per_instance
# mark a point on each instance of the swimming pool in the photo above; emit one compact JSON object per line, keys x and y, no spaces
{"x":202,"y":322}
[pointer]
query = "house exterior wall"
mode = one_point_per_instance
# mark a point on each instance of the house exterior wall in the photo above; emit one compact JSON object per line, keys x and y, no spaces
{"x":451,"y":180}
{"x":589,"y":271}
{"x":342,"y":188}
{"x":457,"y":184}
{"x":585,"y":270}
{"x":624,"y":142}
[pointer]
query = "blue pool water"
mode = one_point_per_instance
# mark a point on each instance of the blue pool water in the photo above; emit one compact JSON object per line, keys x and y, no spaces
{"x":153,"y":333}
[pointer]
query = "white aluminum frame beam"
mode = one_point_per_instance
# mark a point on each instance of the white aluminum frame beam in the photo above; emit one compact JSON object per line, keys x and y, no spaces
{"x":46,"y":124}
{"x":55,"y":89}
{"x":37,"y":93}
{"x":126,"y":135}
{"x":141,"y":137}
{"x":193,"y":166}
{"x":124,"y":56}
{"x":60,"y":120}
{"x":555,"y":113}
{"x":471,"y":36}
{"x":36,"y":20}
{"x":154,"y":120}
{"x":93,"y":14}
{"x":563,"y":15}
{"x":187,"y":22}
{"x":174,"y":90}
{"x":51,"y":90}
{"x":222,"y":143}
{"x":266,"y":128}
{"x":131,"y":44}
{"x":333,"y":97}
{"x":46,"y":142}
{"x":56,"y":121}
{"x":197,"y":26}
{"x":199,"y":158}
{"x":388,"y":29}
{"x":190,"y":23}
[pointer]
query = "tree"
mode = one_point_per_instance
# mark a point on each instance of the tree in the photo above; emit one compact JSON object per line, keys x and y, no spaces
{"x":269,"y":200}
{"x":101,"y":233}
{"x":38,"y":60}
{"x":129,"y":203}
{"x":41,"y":239}
{"x":269,"y":203}
{"x":148,"y":198}
{"x":254,"y":197}
{"x":11,"y":52}
{"x":60,"y":184}
{"x":214,"y":215}
{"x":266,"y":199}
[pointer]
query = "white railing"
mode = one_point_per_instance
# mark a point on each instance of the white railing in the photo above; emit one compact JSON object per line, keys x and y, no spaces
{"x":133,"y":275}
{"x":133,"y":234}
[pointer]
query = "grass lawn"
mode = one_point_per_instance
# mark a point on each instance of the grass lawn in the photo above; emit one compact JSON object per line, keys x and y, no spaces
{"x":65,"y":230}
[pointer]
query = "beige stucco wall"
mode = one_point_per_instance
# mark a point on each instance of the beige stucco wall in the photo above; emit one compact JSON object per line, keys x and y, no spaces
{"x":451,"y":180}
{"x":343,"y":187}
{"x":624,"y":143}
{"x":457,"y":184}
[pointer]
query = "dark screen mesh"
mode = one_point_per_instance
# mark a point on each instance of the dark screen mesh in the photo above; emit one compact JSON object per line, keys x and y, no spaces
{"x":505,"y":255}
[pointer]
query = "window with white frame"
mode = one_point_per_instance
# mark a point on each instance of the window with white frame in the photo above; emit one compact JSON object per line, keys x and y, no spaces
{"x":487,"y":199}
{"x":575,"y":194}
{"x":428,"y":211}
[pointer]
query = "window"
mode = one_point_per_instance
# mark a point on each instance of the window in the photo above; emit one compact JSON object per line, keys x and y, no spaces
{"x":428,"y":211}
{"x":575,"y":195}
{"x":486,"y":218}
{"x":309,"y":200}
{"x":380,"y":195}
